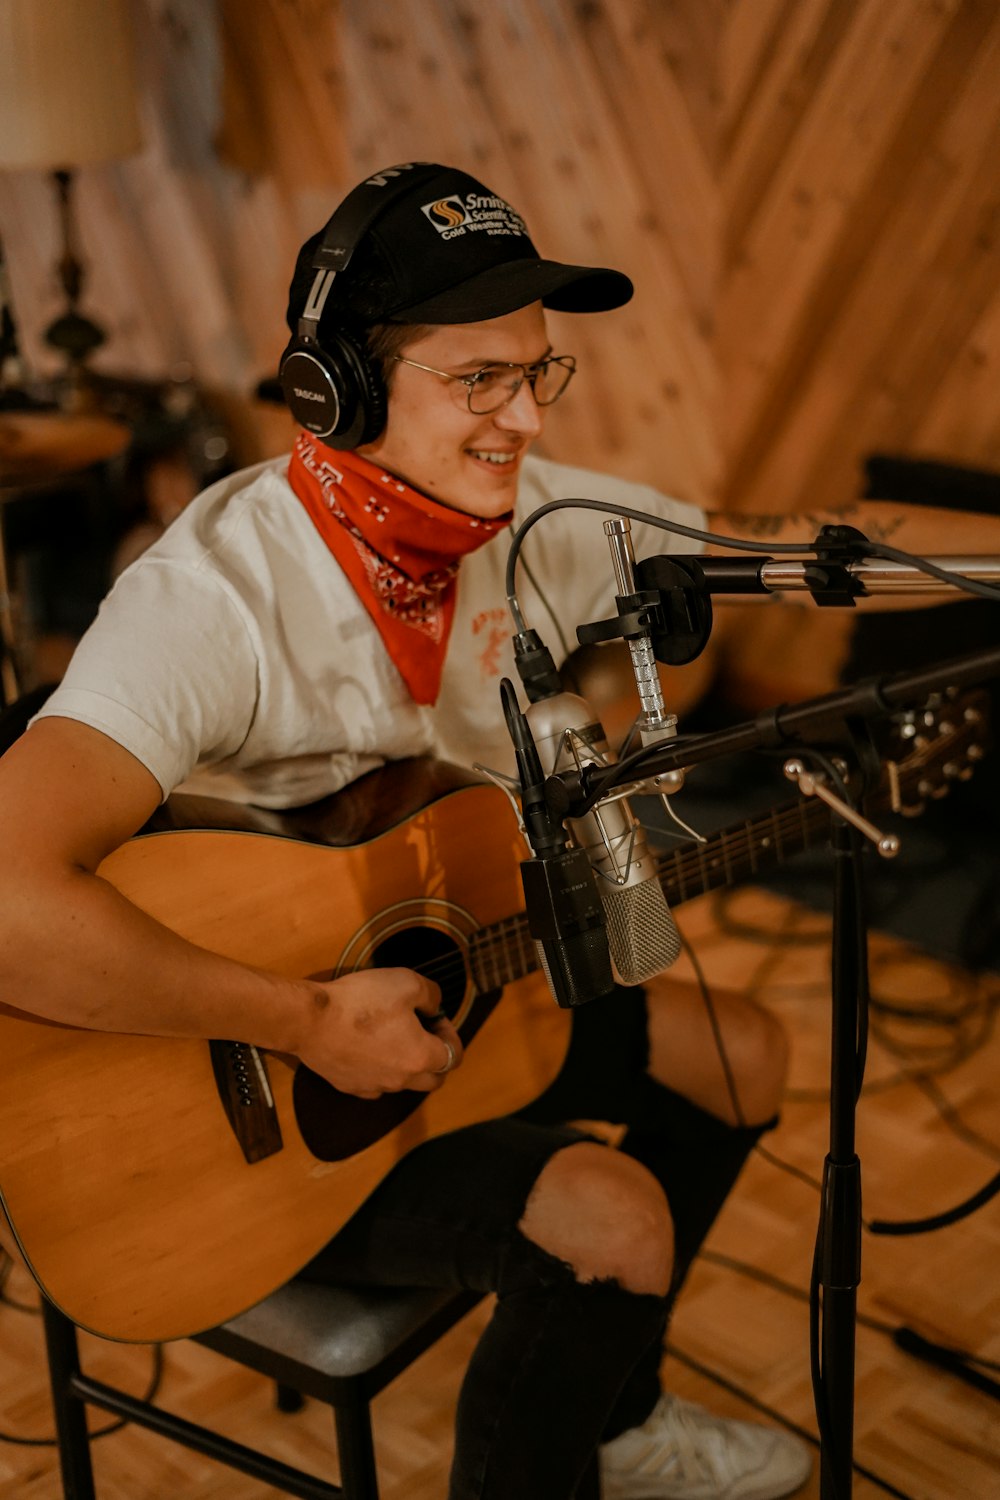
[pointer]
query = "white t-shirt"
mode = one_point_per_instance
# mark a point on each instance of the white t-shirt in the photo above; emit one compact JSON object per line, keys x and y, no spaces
{"x":234,"y":659}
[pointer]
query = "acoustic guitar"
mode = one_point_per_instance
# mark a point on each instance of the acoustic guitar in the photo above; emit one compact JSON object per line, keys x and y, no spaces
{"x":156,"y":1187}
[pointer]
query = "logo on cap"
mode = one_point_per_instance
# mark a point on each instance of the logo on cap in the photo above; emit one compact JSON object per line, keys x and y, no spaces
{"x":446,"y":213}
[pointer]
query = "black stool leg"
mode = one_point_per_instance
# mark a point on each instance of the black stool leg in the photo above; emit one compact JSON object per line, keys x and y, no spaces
{"x":71,"y":1416}
{"x":356,"y":1449}
{"x":287,"y":1398}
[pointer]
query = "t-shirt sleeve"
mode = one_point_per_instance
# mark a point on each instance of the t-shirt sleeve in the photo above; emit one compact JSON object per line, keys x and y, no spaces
{"x":168,"y":670}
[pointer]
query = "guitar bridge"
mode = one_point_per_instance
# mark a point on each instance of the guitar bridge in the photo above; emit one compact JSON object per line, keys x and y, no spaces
{"x":245,"y":1090}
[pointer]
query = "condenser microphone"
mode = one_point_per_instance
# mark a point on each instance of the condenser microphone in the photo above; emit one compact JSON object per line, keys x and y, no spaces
{"x":642,"y":935}
{"x":565,"y":913}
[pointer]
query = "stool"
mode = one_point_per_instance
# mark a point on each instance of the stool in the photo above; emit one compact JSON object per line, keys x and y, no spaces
{"x":341,"y":1345}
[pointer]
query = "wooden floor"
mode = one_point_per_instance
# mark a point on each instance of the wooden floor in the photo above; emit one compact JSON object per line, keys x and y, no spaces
{"x":922,"y":1432}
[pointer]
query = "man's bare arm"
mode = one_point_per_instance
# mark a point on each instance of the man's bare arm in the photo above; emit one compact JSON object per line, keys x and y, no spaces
{"x":923,"y":529}
{"x":73,"y":949}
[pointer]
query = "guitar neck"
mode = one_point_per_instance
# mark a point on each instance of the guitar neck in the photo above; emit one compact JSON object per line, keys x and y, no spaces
{"x":746,"y":850}
{"x":505,"y":951}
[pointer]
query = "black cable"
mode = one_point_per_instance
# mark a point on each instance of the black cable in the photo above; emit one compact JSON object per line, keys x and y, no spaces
{"x":930,"y":1060}
{"x":926,"y":1015}
{"x":957,"y":580}
{"x":744,"y":1395}
{"x":750,"y":932}
{"x":713,"y":1021}
{"x":897,"y":1227}
{"x":956,"y":1362}
{"x":937,"y":1013}
{"x":903,"y":1337}
{"x":547,"y":606}
{"x":6,"y":1266}
{"x":787,"y":1288}
{"x":152,"y":1391}
{"x":737,"y":1390}
{"x":952,"y":1361}
{"x":644,"y":518}
{"x":885,"y":1227}
{"x":815,"y":1342}
{"x":949,"y":1114}
{"x":938,"y":1221}
{"x":815,"y":1302}
{"x":735,"y":544}
{"x":694,"y":533}
{"x":789,"y":1167}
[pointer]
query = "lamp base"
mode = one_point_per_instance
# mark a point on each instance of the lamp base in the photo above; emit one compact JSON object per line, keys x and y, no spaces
{"x":75,"y":336}
{"x":71,"y":333}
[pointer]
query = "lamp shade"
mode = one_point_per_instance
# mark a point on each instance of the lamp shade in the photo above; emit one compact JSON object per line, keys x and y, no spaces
{"x":67,"y":83}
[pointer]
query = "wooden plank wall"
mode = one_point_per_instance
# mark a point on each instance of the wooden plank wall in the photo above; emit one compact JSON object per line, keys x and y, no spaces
{"x":804,"y":191}
{"x":860,"y":297}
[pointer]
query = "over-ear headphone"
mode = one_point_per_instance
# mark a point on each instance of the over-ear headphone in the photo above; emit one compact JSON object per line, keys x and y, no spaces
{"x":335,"y":391}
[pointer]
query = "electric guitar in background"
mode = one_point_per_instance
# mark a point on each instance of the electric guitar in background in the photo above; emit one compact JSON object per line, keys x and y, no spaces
{"x":156,"y":1187}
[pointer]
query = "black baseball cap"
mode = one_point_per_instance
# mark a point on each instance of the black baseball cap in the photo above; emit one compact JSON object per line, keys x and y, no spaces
{"x":446,"y":249}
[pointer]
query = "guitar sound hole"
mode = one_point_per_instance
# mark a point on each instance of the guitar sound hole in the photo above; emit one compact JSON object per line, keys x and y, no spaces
{"x":335,"y":1126}
{"x":430,"y":952}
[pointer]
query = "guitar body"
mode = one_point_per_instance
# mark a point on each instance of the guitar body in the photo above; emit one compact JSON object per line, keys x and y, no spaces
{"x":121,"y":1174}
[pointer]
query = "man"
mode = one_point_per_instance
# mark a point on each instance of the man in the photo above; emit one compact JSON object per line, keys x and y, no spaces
{"x":303,"y":622}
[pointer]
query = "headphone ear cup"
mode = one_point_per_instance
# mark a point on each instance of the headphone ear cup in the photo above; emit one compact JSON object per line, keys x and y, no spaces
{"x":334,"y":392}
{"x":364,"y":398}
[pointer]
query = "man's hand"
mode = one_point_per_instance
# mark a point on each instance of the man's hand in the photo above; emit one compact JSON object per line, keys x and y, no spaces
{"x":366,"y":1036}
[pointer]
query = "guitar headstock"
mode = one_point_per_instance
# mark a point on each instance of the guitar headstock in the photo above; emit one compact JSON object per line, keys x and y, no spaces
{"x":934,"y":746}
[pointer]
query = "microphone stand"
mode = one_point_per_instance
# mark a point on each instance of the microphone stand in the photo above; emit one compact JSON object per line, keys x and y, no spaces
{"x":837,"y":1262}
{"x":837,"y":1265}
{"x":836,"y":1271}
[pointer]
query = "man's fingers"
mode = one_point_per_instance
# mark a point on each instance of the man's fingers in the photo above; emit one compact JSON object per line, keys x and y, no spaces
{"x":433,"y":1017}
{"x":429,"y":1008}
{"x":448,"y":1047}
{"x":447,"y":1033}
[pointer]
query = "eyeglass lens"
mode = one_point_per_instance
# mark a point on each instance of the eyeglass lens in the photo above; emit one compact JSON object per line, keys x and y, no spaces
{"x":496,"y":385}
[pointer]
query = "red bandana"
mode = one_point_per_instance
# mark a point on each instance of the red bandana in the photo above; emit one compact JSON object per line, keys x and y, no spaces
{"x":400,"y":552}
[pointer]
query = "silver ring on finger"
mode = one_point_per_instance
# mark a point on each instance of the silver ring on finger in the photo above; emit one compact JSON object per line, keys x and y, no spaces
{"x":449,"y":1062}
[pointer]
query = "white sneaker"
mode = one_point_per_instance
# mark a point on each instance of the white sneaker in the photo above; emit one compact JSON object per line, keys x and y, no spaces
{"x":682,"y":1452}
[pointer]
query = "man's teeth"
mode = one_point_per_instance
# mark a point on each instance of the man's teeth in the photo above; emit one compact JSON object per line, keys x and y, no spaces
{"x":492,"y":458}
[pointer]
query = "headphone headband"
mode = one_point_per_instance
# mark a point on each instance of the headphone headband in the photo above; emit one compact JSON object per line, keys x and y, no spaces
{"x":348,"y":226}
{"x":362,"y":206}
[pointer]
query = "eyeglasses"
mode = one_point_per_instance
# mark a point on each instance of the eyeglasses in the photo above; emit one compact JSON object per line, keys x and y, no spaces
{"x":495,"y":386}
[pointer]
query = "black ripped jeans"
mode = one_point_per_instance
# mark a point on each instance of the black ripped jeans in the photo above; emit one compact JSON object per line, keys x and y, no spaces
{"x":561,"y":1366}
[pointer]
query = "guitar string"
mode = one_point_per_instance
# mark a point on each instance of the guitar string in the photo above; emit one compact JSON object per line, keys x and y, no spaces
{"x":684,"y":868}
{"x":694,"y":866}
{"x":699,"y":867}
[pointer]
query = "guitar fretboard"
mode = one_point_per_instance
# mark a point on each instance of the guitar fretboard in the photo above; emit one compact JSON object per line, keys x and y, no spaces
{"x":937,"y":750}
{"x":505,"y":951}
